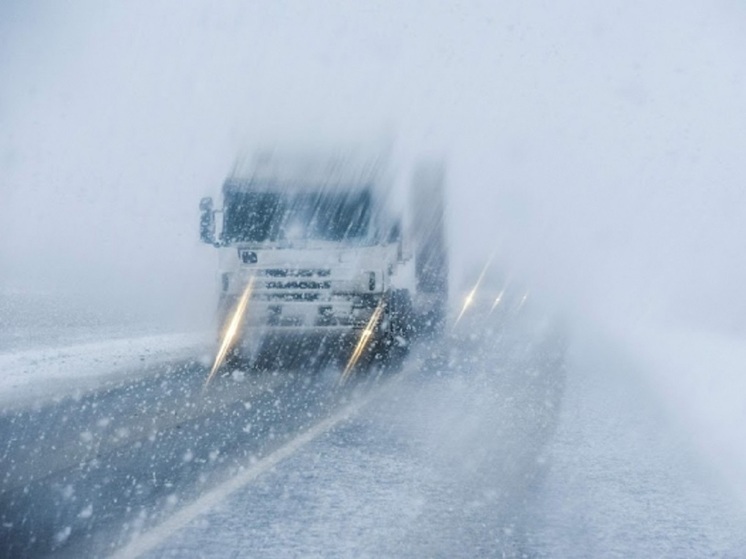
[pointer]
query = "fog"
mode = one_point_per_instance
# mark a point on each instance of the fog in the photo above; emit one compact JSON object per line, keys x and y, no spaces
{"x":596,"y":148}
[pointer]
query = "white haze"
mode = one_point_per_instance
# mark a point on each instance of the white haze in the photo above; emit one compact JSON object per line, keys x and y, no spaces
{"x":597,"y":146}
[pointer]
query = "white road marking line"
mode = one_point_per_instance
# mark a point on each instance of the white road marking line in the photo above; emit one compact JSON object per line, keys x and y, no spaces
{"x":158,"y":535}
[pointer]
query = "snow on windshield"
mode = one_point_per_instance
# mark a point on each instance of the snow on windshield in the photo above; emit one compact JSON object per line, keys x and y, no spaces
{"x":270,"y":216}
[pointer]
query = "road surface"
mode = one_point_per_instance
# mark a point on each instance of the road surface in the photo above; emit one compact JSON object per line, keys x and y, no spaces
{"x":503,"y":439}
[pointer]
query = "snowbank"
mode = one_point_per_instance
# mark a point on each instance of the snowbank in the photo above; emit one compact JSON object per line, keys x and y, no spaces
{"x":40,"y":374}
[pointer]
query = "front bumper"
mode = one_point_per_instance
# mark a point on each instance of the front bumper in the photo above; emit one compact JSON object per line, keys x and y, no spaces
{"x":275,"y":316}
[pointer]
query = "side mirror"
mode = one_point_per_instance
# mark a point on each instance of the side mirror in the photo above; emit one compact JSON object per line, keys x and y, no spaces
{"x":206,"y":221}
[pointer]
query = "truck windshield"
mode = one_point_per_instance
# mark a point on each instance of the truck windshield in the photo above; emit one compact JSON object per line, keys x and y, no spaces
{"x":277,"y":216}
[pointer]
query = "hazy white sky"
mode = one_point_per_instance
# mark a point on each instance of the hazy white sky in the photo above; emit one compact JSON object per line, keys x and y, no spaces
{"x":598,"y":145}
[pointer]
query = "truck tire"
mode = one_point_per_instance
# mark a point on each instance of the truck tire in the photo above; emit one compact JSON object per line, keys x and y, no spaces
{"x":393,"y":335}
{"x":399,"y":332}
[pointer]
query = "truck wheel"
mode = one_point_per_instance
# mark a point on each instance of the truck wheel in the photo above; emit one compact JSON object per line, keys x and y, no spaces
{"x":399,"y":314}
{"x":394,"y":341}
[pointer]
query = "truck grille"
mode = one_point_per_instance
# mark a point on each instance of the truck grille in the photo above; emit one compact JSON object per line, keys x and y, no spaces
{"x":293,"y":284}
{"x":302,"y":298}
{"x":298,"y":285}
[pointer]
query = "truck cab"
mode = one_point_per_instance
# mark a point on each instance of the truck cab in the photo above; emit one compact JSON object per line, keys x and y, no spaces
{"x":323,"y":251}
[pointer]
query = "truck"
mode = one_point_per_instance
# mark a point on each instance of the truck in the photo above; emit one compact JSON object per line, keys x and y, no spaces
{"x":335,"y":270}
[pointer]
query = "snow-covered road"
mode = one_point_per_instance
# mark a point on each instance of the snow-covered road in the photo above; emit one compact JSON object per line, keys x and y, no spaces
{"x":502,"y":447}
{"x":512,"y":438}
{"x":627,"y":478}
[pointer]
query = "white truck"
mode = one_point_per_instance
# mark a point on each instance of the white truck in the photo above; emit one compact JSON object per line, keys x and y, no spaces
{"x":329,"y":257}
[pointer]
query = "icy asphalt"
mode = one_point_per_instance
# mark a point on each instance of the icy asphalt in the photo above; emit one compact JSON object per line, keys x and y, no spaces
{"x":502,"y":443}
{"x":513,"y":437}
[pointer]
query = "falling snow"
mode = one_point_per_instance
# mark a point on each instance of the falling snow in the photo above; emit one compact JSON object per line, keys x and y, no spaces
{"x":523,"y":224}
